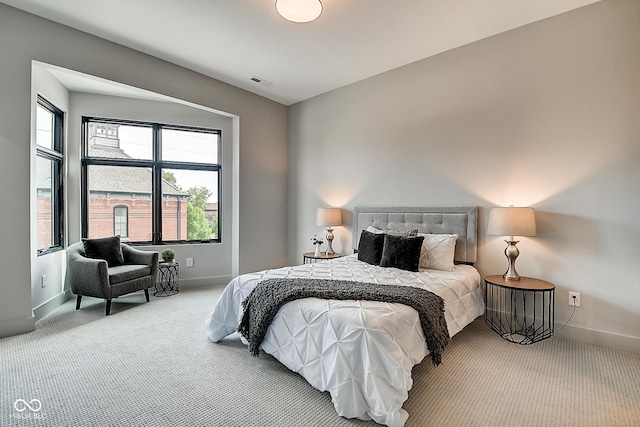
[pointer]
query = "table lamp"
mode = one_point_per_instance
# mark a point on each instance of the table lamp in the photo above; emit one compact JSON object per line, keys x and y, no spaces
{"x":329,"y":217}
{"x":512,"y":222}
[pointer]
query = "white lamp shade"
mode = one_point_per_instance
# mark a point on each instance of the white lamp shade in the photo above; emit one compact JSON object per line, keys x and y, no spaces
{"x":512,"y":221}
{"x":299,"y":11}
{"x":329,"y":217}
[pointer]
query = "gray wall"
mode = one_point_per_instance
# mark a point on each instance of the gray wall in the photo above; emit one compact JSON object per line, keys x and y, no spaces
{"x":261,"y":149}
{"x":547,"y":115}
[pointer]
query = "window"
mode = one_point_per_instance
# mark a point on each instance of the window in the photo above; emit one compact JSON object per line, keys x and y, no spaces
{"x":150,"y":182}
{"x":49,"y":170}
{"x":121,"y":221}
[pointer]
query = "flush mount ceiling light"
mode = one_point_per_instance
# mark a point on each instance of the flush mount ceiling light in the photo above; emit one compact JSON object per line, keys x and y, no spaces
{"x":299,"y":11}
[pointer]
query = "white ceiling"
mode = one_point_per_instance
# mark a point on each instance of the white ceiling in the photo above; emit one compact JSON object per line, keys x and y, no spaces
{"x":235,"y":40}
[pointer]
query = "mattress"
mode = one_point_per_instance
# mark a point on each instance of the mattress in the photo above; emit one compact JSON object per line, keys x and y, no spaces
{"x":361,"y":352}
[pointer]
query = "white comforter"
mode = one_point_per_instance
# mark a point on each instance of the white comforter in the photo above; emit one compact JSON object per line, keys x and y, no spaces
{"x":361,"y":352}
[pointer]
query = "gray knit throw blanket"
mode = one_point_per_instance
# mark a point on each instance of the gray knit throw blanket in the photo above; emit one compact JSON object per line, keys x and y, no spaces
{"x":262,"y":304}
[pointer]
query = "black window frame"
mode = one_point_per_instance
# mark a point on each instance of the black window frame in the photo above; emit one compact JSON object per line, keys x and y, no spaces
{"x":157,"y":165}
{"x":56,"y":156}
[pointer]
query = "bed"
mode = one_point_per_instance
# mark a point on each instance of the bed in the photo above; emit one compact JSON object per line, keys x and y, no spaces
{"x":362,"y":352}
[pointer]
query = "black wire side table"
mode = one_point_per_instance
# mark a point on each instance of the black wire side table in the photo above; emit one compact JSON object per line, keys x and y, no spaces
{"x":520,"y":311}
{"x":311,"y":257}
{"x":168,"y":280}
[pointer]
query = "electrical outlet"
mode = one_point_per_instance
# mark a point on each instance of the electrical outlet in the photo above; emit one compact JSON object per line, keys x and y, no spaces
{"x":43,"y":281}
{"x":189,"y":262}
{"x":574,"y":299}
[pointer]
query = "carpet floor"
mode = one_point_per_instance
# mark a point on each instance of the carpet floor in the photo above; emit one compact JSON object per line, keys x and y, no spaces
{"x":151,"y":364}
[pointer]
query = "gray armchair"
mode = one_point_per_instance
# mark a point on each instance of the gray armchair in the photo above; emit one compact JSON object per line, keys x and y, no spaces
{"x":135,"y":270}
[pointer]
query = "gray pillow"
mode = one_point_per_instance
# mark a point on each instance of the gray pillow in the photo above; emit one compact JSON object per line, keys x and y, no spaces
{"x":106,"y":248}
{"x":408,"y":233}
{"x":401,"y":252}
{"x":370,"y":247}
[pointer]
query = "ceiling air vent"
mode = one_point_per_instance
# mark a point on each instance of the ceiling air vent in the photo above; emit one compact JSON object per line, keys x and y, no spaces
{"x":263,"y":82}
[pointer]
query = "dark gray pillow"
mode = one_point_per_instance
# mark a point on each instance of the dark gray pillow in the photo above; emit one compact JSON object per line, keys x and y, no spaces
{"x":106,"y":248}
{"x":370,"y":247}
{"x":401,"y":252}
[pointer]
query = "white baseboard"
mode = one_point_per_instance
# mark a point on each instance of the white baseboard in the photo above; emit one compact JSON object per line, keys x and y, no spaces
{"x":17,"y":326}
{"x":204,"y":282}
{"x":45,"y":308}
{"x":599,"y":338}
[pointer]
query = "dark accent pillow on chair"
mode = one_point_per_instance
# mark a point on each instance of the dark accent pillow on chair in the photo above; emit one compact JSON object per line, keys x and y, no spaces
{"x":401,"y":252}
{"x":370,"y":247}
{"x":106,"y":248}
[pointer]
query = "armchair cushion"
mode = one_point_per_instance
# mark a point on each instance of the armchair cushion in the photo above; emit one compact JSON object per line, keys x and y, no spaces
{"x":124,"y":273}
{"x":106,"y":248}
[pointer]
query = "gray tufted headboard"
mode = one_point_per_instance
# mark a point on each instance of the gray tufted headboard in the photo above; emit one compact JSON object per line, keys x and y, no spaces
{"x":460,"y":220}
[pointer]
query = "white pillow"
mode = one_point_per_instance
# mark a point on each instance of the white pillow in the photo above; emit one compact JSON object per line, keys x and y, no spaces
{"x":438,"y":251}
{"x":372,"y":229}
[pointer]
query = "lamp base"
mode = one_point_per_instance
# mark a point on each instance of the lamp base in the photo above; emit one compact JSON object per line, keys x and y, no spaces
{"x":511,"y":252}
{"x":330,"y":250}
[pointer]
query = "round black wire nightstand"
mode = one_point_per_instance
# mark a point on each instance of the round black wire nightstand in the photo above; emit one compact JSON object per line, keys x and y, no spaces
{"x":311,"y":257}
{"x":520,"y":311}
{"x":168,"y":279}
